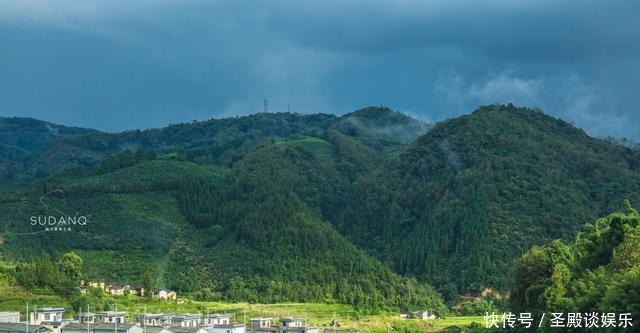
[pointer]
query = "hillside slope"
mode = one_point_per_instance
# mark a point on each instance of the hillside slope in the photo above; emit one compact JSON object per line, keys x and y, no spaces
{"x":464,"y":200}
{"x":598,"y":271}
{"x":234,"y":233}
{"x":22,"y":138}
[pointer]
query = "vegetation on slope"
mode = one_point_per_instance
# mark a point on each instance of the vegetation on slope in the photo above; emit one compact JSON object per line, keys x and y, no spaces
{"x":239,"y":233}
{"x":52,"y":148}
{"x":462,"y":202}
{"x":318,"y":207}
{"x":597,"y":272}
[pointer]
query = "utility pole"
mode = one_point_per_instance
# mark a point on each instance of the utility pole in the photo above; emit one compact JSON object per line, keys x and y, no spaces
{"x":26,"y":321}
{"x":145,"y":318}
{"x":115,"y":327}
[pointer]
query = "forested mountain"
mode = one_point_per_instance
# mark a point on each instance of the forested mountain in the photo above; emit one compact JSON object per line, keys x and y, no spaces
{"x":250,"y":230}
{"x":457,"y":206}
{"x":364,"y":209}
{"x":215,"y":233}
{"x":55,"y":148}
{"x":22,"y":138}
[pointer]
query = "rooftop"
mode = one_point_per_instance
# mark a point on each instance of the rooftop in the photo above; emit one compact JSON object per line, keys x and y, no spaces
{"x":232,"y":325}
{"x":111,"y":313}
{"x":218,"y":315}
{"x":186,"y":316}
{"x":106,"y":326}
{"x":155,"y":329}
{"x":19,"y":327}
{"x":288,"y":319}
{"x":48,"y":309}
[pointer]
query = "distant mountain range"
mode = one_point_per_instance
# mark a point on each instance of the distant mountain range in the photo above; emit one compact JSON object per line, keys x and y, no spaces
{"x":369,"y":208}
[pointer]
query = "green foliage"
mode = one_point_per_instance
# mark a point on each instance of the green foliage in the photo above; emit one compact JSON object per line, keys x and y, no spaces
{"x":333,"y":209}
{"x":42,"y":273}
{"x":71,"y":265}
{"x":34,"y":149}
{"x":482,"y":306}
{"x":125,"y":159}
{"x":185,"y":226}
{"x":597,"y":272}
{"x":466,"y":199}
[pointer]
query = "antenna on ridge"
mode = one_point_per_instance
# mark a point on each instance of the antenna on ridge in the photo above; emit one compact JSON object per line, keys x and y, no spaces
{"x":266,"y":105}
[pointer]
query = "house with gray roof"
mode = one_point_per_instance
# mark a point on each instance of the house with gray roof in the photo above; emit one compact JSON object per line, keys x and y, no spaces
{"x":22,"y":328}
{"x":186,"y":320}
{"x":295,"y":325}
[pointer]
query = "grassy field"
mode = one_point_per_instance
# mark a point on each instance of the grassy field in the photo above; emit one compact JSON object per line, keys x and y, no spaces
{"x":315,"y":145}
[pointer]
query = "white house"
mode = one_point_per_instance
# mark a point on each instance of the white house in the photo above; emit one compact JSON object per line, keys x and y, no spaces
{"x":110,"y":317}
{"x":49,"y":316}
{"x":228,"y":328}
{"x":120,"y":328}
{"x":423,"y":314}
{"x":154,"y":319}
{"x":9,"y":317}
{"x":261,"y":324}
{"x":186,"y":320}
{"x":86,"y":317}
{"x":295,"y":325}
{"x":216,"y":319}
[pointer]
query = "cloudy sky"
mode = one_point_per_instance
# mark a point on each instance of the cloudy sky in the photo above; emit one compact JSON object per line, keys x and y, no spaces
{"x":120,"y":64}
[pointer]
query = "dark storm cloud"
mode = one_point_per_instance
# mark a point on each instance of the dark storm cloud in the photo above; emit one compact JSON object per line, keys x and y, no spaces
{"x":121,"y":64}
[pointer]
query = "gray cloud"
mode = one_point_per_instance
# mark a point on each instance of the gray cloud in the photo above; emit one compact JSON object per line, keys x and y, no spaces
{"x":121,"y":64}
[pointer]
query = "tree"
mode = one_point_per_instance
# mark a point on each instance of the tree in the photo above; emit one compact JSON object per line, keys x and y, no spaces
{"x":71,"y":264}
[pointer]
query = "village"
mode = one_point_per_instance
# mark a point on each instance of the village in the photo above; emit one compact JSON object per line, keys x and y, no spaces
{"x":122,"y":288}
{"x":52,"y":320}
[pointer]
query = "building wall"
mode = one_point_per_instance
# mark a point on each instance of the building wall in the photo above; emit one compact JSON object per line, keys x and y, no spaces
{"x":239,"y":329}
{"x":10,"y":317}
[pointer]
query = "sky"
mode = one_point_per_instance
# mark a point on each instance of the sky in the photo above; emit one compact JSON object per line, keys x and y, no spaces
{"x":119,"y":64}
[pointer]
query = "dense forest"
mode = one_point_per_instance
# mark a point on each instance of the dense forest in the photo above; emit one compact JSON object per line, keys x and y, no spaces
{"x":599,"y":271}
{"x":462,"y":202}
{"x":372,"y":208}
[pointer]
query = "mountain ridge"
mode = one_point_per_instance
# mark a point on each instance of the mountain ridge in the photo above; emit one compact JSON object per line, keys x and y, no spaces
{"x":204,"y":141}
{"x":479,"y":188}
{"x":452,"y":208}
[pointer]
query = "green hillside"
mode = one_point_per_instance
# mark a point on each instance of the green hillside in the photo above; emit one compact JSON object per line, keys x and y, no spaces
{"x":598,"y":271}
{"x":313,"y":208}
{"x":23,"y":138}
{"x":213,"y":232}
{"x":457,"y":206}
